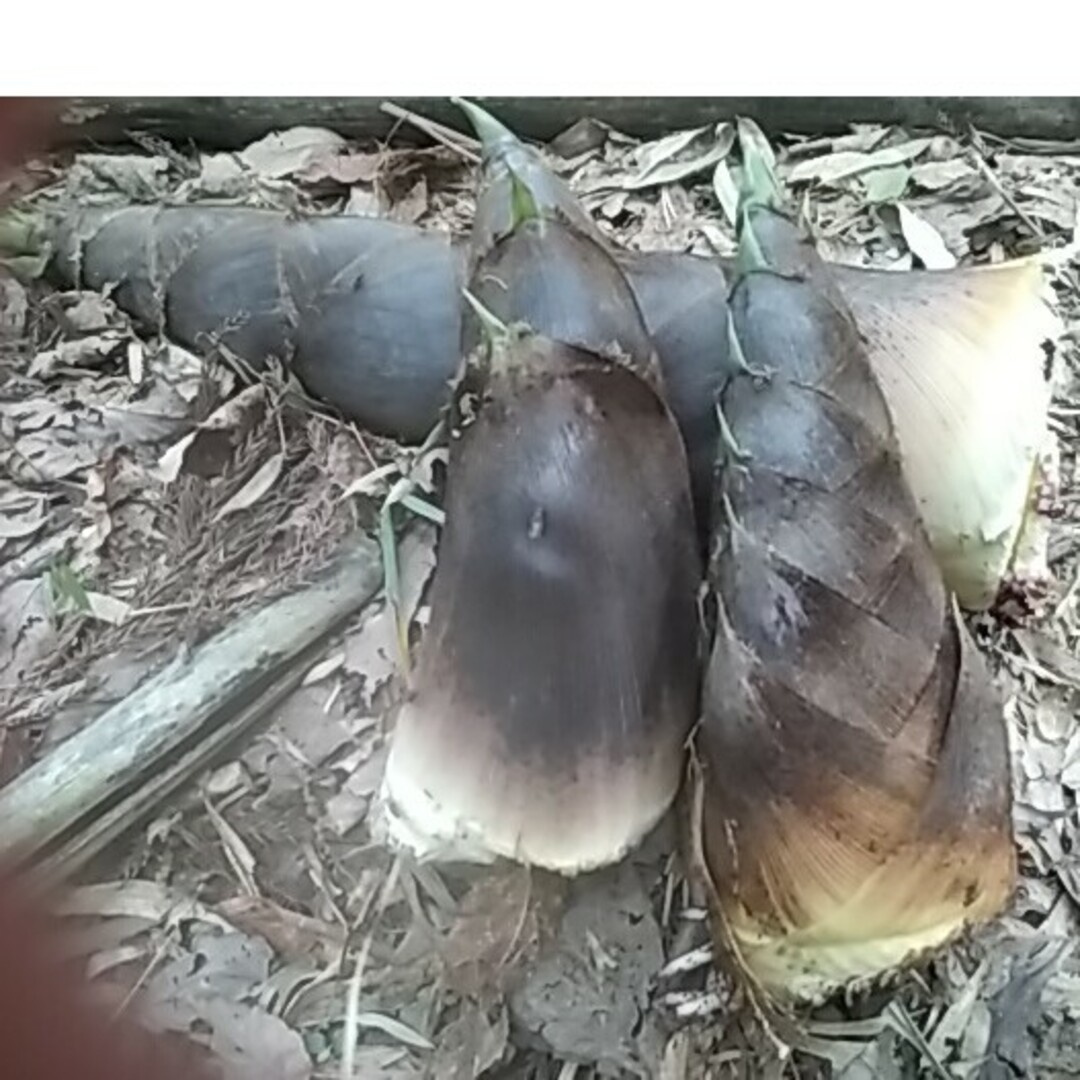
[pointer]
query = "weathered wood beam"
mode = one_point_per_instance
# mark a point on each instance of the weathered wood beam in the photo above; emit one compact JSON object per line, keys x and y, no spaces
{"x":233,"y":122}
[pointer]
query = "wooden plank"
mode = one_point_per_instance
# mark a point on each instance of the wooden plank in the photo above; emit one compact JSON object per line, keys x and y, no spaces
{"x":168,"y":718}
{"x":233,"y":122}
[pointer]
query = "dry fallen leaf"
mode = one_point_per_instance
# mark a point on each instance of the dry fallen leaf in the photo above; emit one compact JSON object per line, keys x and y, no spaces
{"x":135,"y":898}
{"x":680,"y":156}
{"x":27,"y":632}
{"x":923,"y":240}
{"x":363,"y":202}
{"x":292,"y":935}
{"x":843,"y":165}
{"x":285,"y":153}
{"x":470,"y":1045}
{"x":13,"y":308}
{"x":208,"y":449}
{"x":938,"y":175}
{"x":205,"y":995}
{"x":108,"y":609}
{"x":135,"y":175}
{"x":87,"y":352}
{"x":727,"y":192}
{"x":412,"y":207}
{"x":21,"y":514}
{"x":324,"y":669}
{"x":90,"y":313}
{"x":342,"y":168}
{"x":256,"y":487}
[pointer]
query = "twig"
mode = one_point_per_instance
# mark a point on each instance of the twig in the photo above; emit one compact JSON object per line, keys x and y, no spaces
{"x":155,"y":961}
{"x":995,"y":183}
{"x":351,"y":1031}
{"x":155,"y":738}
{"x":453,"y":140}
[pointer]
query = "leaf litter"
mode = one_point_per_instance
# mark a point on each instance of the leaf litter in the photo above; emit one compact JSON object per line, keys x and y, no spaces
{"x":170,"y":501}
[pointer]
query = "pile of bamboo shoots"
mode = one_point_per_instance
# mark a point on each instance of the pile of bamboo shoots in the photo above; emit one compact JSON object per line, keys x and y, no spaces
{"x":856,"y":450}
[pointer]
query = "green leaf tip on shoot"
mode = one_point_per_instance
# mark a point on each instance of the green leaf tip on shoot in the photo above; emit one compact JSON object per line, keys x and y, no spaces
{"x":759,"y":184}
{"x":489,"y":131}
{"x":523,"y":204}
{"x":759,"y":188}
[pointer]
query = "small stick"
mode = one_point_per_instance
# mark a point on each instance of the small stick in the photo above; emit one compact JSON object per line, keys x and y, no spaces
{"x":690,"y":961}
{"x":1013,"y":205}
{"x":453,"y":140}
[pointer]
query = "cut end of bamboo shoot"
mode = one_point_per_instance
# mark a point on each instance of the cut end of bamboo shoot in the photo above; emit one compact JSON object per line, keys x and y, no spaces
{"x":964,"y":358}
{"x":551,"y":702}
{"x":921,"y":900}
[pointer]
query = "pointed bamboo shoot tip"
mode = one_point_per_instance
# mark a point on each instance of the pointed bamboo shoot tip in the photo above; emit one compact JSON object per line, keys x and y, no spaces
{"x":759,"y":185}
{"x":489,"y":131}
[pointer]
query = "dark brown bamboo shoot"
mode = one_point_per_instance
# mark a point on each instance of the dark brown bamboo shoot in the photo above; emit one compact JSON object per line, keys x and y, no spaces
{"x":558,"y":677}
{"x":856,"y":799}
{"x":367,"y":314}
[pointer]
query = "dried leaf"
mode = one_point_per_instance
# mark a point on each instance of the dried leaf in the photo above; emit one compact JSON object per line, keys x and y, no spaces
{"x":108,"y":609}
{"x":26,"y":631}
{"x":727,"y":193}
{"x":371,"y":651}
{"x":832,"y":168}
{"x":938,"y":175}
{"x":607,"y":952}
{"x":395,"y":1029}
{"x":324,"y":669}
{"x":470,"y":1045}
{"x":136,"y":362}
{"x":199,"y":996}
{"x":413,"y":206}
{"x":136,"y":898}
{"x":924,"y":241}
{"x":220,"y":176}
{"x":87,"y":352}
{"x":13,"y":308}
{"x":208,"y":449}
{"x":290,"y":934}
{"x":224,"y":781}
{"x":135,"y":175}
{"x":363,"y":202}
{"x":676,"y":157}
{"x":90,"y":313}
{"x":256,"y":487}
{"x":286,"y":153}
{"x":21,"y":516}
{"x":582,"y":137}
{"x":949,"y":1032}
{"x":342,"y":168}
{"x":1054,"y":663}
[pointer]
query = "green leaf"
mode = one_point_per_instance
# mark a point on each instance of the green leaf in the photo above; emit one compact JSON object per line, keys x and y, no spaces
{"x":886,"y":185}
{"x":523,"y":205}
{"x":67,"y":590}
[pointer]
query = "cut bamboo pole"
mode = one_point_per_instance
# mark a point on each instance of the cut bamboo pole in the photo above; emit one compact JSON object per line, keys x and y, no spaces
{"x":86,"y":791}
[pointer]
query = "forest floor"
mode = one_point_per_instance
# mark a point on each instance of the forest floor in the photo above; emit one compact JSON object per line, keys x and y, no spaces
{"x":251,"y":905}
